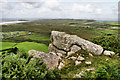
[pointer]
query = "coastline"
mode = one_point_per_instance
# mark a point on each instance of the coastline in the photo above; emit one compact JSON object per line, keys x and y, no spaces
{"x":12,"y":22}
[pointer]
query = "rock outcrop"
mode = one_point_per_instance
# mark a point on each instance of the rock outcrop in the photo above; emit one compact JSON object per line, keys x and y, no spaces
{"x":51,"y":60}
{"x":69,"y":44}
{"x":63,"y":46}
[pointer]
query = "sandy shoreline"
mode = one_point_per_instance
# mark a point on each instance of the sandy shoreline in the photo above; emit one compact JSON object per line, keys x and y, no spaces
{"x":12,"y":22}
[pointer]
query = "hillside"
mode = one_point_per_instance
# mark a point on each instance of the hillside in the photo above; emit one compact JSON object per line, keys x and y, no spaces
{"x":86,"y":49}
{"x":73,"y":56}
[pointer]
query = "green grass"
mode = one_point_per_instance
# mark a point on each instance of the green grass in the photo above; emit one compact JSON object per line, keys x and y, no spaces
{"x":6,"y":45}
{"x":41,"y":30}
{"x":70,"y":70}
{"x":44,"y":28}
{"x":36,"y":36}
{"x":26,"y":46}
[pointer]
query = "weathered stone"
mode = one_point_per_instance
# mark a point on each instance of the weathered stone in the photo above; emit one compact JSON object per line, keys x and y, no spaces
{"x":82,"y":73}
{"x":88,"y":62}
{"x":61,"y":40}
{"x":50,"y":60}
{"x":77,"y":63}
{"x":107,"y":59}
{"x":80,"y":58}
{"x":52,"y":53}
{"x":59,"y":54}
{"x":70,"y":53}
{"x":91,"y":69}
{"x":90,"y":55}
{"x":55,"y":50}
{"x":30,"y":33}
{"x":118,"y":54}
{"x":72,"y":58}
{"x":63,"y":61}
{"x":74,"y":49}
{"x":65,"y":42}
{"x":61,"y":65}
{"x":87,"y":45}
{"x":108,"y":52}
{"x":33,"y":52}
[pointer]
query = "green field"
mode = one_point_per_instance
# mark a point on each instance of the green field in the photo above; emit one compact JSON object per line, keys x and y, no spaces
{"x":6,"y":45}
{"x":41,"y":30}
{"x":26,"y":46}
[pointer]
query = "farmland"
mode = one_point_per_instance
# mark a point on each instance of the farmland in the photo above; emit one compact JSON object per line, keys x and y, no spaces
{"x":41,"y":29}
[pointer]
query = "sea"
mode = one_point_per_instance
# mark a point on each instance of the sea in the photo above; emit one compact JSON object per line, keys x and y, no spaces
{"x":12,"y":21}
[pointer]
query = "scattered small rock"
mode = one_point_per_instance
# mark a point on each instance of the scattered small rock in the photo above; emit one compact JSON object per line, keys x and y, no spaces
{"x":90,"y":55}
{"x":107,"y":59}
{"x":88,"y":62}
{"x":70,"y":53}
{"x":77,"y":63}
{"x":118,"y":54}
{"x":80,"y":74}
{"x":80,"y":58}
{"x":30,"y":33}
{"x":91,"y":69}
{"x":61,"y":65}
{"x":73,"y":58}
{"x":108,"y":53}
{"x":63,"y":61}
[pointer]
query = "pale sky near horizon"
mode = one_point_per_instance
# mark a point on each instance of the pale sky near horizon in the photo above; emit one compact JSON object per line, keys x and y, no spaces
{"x":75,"y":9}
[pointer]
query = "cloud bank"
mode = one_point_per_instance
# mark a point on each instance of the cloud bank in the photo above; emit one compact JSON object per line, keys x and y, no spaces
{"x":76,"y":9}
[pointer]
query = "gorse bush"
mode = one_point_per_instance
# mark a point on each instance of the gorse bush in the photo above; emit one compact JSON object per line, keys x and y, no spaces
{"x":106,"y":71}
{"x":23,"y":66}
{"x":108,"y":42}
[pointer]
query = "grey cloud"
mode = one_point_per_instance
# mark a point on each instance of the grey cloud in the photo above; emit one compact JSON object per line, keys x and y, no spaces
{"x":35,"y":4}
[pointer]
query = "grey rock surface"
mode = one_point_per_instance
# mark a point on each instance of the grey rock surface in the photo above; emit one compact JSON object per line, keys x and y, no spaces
{"x":108,"y":52}
{"x":74,"y":49}
{"x":77,"y":63}
{"x":80,"y":58}
{"x":49,"y":59}
{"x":55,"y":50}
{"x":65,"y":42}
{"x":61,"y":65}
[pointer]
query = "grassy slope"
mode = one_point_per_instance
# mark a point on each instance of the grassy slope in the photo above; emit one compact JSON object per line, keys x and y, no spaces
{"x":42,"y":29}
{"x":6,"y":45}
{"x":26,"y":46}
{"x":70,"y":70}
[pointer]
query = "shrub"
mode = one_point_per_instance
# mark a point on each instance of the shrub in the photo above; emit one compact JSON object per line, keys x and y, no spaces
{"x":106,"y":71}
{"x":108,"y":42}
{"x":22,"y":66}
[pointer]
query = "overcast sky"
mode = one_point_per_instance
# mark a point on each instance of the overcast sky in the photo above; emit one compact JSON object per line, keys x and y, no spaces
{"x":75,"y":9}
